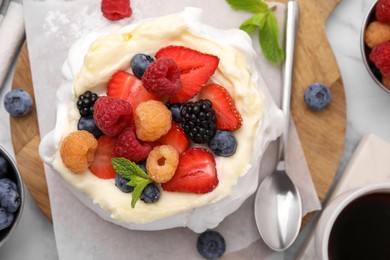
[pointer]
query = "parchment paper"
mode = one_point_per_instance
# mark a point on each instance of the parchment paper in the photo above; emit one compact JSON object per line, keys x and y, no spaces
{"x":51,"y":27}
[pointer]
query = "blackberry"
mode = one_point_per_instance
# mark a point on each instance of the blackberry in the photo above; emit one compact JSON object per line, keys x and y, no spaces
{"x":86,"y":102}
{"x":198,"y":120}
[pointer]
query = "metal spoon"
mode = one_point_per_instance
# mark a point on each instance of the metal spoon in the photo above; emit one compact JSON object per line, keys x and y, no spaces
{"x":278,"y":206}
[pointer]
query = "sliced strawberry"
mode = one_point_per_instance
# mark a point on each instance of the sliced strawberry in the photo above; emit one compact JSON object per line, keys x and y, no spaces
{"x":128,"y":87}
{"x":195,"y":69}
{"x":101,"y":165}
{"x":175,"y":137}
{"x":196,"y":172}
{"x":226,"y":113}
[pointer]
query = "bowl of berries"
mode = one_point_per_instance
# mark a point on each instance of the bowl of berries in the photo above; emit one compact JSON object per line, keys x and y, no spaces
{"x":375,"y":43}
{"x":11,"y":196}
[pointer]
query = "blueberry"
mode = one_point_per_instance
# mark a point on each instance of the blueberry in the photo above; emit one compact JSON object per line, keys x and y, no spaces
{"x":88,"y":124}
{"x":139,"y":63}
{"x":317,"y":96}
{"x":142,"y":165}
{"x":11,"y":201}
{"x":3,"y":167}
{"x":121,"y":182}
{"x":7,"y":184}
{"x":175,"y":109}
{"x":6,"y":218}
{"x":150,"y":194}
{"x":223,"y":143}
{"x":211,"y":245}
{"x":18,"y":102}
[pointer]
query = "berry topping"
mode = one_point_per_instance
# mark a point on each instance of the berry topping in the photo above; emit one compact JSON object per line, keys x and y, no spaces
{"x":125,"y":86}
{"x":152,"y":120}
{"x":380,"y":55}
{"x":223,"y":143}
{"x":198,"y":120}
{"x":211,"y":245}
{"x":18,"y":102}
{"x":196,"y":172}
{"x":116,"y":9}
{"x":77,"y":150}
{"x":121,"y":183}
{"x":150,"y":194}
{"x":383,"y":11}
{"x":195,"y":69}
{"x":317,"y":96}
{"x":101,"y":166}
{"x":6,"y":219}
{"x":3,"y":167}
{"x":112,"y":115}
{"x":228,"y":117}
{"x":139,"y":63}
{"x":88,"y":124}
{"x":176,"y":111}
{"x":161,"y":163}
{"x":86,"y":102}
{"x":162,"y":78}
{"x":129,"y":147}
{"x":176,"y":138}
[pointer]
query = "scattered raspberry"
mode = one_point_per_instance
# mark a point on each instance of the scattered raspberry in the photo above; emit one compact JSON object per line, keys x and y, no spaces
{"x":78,"y":150}
{"x":152,"y":120}
{"x":380,"y":55}
{"x":383,"y":11}
{"x":112,"y":115}
{"x":376,"y":33}
{"x":129,"y":147}
{"x":162,"y":78}
{"x":116,"y":9}
{"x":161,"y":163}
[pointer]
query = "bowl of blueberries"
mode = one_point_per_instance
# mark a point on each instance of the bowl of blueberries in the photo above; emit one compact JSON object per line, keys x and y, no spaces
{"x":11,"y":196}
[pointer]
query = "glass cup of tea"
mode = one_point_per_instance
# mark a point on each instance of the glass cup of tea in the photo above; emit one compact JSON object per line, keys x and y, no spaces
{"x":356,"y":225}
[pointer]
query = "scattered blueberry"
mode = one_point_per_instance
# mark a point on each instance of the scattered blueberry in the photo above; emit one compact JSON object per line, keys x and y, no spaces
{"x":139,"y":63}
{"x":11,"y":201}
{"x":18,"y":102}
{"x":8,"y":184}
{"x":317,"y":96}
{"x":3,"y":167}
{"x":223,"y":143}
{"x":175,"y":109}
{"x":150,"y":194}
{"x":211,"y":245}
{"x":6,"y":219}
{"x":121,"y":183}
{"x":88,"y":124}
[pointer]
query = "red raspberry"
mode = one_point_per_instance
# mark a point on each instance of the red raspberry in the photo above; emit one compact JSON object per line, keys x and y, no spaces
{"x":383,"y":11}
{"x":129,"y":147}
{"x":112,"y":115}
{"x":116,"y":9}
{"x":162,"y":78}
{"x":380,"y":55}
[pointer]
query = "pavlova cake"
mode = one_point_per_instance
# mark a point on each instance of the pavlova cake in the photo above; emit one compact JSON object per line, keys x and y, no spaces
{"x":163,"y":123}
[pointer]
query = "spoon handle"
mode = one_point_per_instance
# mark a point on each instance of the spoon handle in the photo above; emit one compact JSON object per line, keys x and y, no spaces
{"x":292,"y":17}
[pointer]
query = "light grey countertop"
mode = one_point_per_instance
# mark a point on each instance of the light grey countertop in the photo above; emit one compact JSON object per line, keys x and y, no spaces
{"x":368,"y":107}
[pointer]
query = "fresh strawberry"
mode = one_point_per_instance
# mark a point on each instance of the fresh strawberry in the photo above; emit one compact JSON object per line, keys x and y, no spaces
{"x":128,"y":87}
{"x":195,"y":69}
{"x":196,"y":172}
{"x":116,"y":9}
{"x":101,"y":165}
{"x":226,"y":113}
{"x":175,"y":137}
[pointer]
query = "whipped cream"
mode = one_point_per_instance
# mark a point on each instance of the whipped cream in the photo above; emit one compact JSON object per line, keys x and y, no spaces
{"x":90,"y":64}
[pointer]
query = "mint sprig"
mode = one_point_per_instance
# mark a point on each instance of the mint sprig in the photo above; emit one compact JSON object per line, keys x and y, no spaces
{"x":265,"y":20}
{"x":131,"y":171}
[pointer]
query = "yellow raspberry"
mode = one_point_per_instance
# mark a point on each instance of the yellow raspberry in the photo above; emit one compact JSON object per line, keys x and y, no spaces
{"x":78,"y":150}
{"x":162,"y":162}
{"x":152,"y":120}
{"x":376,"y":33}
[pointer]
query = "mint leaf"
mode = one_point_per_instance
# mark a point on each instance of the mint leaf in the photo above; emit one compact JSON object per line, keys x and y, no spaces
{"x":131,"y":171}
{"x":269,"y":40}
{"x":255,"y":21}
{"x":254,"y":6}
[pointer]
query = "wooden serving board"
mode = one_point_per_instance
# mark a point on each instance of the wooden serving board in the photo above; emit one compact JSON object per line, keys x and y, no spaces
{"x":322,"y":134}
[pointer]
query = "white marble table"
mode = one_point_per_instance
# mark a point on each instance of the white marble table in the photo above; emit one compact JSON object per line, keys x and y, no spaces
{"x":367,"y":112}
